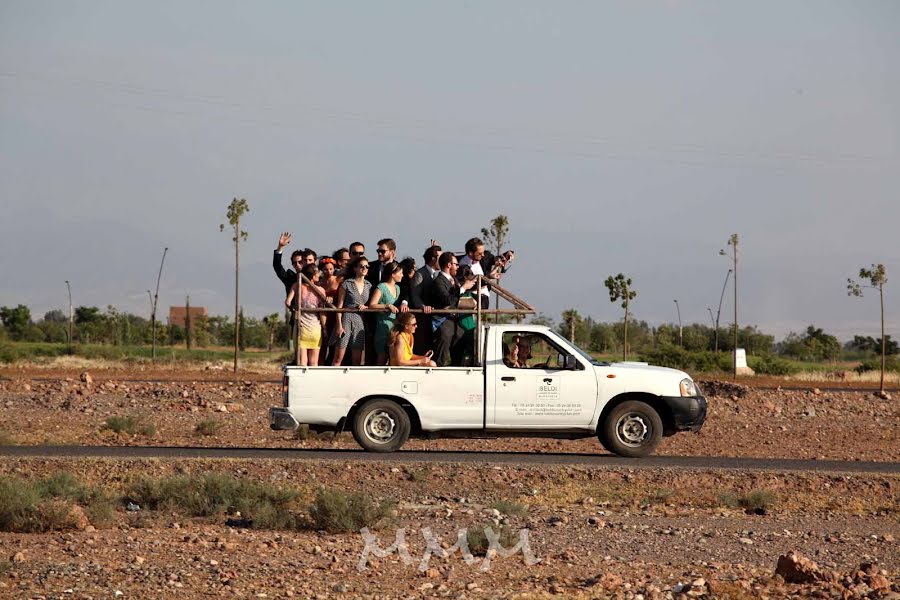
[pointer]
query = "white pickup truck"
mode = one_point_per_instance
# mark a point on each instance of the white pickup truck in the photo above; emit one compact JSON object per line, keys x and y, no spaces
{"x":560,"y":392}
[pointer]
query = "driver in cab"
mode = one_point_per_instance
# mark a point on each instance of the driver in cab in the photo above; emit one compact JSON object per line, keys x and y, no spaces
{"x":520,"y":354}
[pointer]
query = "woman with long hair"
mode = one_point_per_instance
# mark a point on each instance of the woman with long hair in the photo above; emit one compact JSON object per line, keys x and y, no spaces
{"x":386,"y":296}
{"x":401,"y":344}
{"x":350,"y":331}
{"x":310,"y":324}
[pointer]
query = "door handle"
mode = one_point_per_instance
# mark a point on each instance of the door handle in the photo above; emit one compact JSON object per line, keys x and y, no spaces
{"x":507,"y":379}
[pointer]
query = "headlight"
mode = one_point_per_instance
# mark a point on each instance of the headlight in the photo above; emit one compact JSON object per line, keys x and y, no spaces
{"x":688,"y":388}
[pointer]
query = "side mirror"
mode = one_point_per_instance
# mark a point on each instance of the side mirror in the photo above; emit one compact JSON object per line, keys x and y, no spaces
{"x":569,"y":362}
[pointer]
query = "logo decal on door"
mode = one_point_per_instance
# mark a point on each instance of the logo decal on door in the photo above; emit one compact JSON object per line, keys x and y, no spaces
{"x":547,"y":390}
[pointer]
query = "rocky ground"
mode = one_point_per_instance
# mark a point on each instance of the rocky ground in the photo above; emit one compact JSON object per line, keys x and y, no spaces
{"x":742,"y":421}
{"x":598,"y":532}
{"x":594,"y":533}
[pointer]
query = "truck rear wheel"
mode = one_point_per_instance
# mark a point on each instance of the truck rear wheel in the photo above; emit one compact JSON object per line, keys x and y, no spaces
{"x":632,"y":429}
{"x":381,"y":426}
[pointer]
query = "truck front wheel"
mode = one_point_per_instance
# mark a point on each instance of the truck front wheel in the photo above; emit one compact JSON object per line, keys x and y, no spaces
{"x":632,"y":429}
{"x":381,"y":426}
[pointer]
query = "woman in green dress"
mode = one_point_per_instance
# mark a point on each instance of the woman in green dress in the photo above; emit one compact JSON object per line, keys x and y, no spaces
{"x":386,"y":296}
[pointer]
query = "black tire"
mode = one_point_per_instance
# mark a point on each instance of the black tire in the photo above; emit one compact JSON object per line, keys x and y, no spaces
{"x":381,"y":426}
{"x":632,"y":429}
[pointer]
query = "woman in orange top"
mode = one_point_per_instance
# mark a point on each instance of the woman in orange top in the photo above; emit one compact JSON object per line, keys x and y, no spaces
{"x":401,"y":344}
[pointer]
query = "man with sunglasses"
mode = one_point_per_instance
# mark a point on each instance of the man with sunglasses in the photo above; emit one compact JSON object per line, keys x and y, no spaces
{"x":387,"y":252}
{"x":357,"y":249}
{"x":445,"y":293}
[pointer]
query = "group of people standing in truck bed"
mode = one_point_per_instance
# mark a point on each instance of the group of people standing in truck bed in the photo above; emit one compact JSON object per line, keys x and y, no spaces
{"x":382,"y":331}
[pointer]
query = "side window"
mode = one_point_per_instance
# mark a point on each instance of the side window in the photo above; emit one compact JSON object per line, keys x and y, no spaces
{"x":529,"y":350}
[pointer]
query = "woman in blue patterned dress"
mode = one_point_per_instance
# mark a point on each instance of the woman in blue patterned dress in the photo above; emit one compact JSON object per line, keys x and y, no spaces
{"x":350,"y":330}
{"x":386,"y":295}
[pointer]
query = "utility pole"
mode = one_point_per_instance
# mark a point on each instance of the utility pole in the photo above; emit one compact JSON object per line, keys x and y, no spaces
{"x":680,"y":329}
{"x":153,"y":303}
{"x":733,"y":242}
{"x":72,"y":315}
{"x":719,"y":311}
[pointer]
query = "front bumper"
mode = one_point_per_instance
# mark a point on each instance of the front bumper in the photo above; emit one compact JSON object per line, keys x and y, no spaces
{"x":688,"y":412}
{"x":280,"y":419}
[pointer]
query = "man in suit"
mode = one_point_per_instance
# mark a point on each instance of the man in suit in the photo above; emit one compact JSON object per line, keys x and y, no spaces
{"x":445,"y":293}
{"x":288,"y":277}
{"x":419,"y":296}
{"x":387,"y":252}
{"x":485,"y":264}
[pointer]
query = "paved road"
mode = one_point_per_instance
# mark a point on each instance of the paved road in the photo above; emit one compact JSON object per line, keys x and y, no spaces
{"x":493,"y":458}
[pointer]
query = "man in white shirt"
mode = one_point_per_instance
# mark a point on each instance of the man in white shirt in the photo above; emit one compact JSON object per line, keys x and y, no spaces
{"x":475,"y":258}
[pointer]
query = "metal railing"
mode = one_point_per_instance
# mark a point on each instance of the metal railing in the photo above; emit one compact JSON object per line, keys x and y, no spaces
{"x":522,"y":309}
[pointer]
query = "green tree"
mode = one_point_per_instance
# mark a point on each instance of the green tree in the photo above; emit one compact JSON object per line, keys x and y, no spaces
{"x":571,"y":319}
{"x":869,"y":344}
{"x":236,"y":210}
{"x":55,"y":316}
{"x":16,"y":320}
{"x":242,"y":330}
{"x":542,"y":319}
{"x":814,"y":345}
{"x":87,"y":314}
{"x":873,"y":278}
{"x":620,"y":289}
{"x":271,"y":322}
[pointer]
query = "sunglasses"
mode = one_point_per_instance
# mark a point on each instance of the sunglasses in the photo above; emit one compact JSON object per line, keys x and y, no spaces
{"x":381,"y":251}
{"x":366,"y":267}
{"x":355,"y":253}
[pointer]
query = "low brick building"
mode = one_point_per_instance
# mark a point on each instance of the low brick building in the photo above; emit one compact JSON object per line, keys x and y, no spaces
{"x":178,"y":314}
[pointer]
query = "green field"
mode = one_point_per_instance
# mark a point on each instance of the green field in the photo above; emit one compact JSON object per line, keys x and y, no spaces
{"x":43,"y":351}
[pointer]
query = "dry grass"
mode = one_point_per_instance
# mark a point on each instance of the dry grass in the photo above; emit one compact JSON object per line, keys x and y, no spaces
{"x":37,"y":506}
{"x":213,"y":494}
{"x":336,"y":511}
{"x":208,"y":427}
{"x":130,"y":425}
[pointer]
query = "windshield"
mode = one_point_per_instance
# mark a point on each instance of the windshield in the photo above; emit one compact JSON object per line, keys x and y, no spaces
{"x":588,"y":357}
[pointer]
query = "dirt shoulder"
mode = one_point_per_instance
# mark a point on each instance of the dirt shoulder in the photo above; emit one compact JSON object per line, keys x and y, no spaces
{"x":744,"y":422}
{"x":596,"y":532}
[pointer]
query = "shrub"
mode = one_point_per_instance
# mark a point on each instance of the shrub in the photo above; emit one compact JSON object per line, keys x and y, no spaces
{"x":759,"y":501}
{"x":658,"y":496}
{"x":510,"y":508}
{"x":874,"y":364}
{"x":130,"y":425}
{"x":667,"y":355}
{"x":335,"y":510}
{"x":419,"y":475}
{"x":769,"y":364}
{"x":268,"y":507}
{"x":479,"y":543}
{"x":208,"y":427}
{"x":47,"y":504}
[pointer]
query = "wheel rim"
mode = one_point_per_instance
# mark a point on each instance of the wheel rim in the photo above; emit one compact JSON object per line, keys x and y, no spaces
{"x":632,"y":429}
{"x":379,"y":426}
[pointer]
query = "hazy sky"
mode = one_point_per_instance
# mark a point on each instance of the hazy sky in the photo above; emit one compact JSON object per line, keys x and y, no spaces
{"x":616,"y":136}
